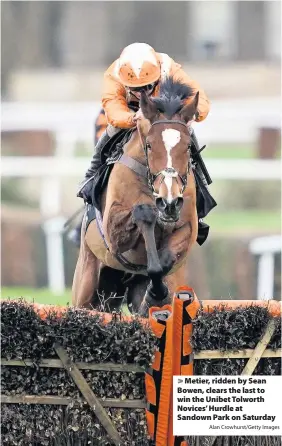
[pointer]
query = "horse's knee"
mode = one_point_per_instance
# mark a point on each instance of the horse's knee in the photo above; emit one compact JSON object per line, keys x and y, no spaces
{"x":144,"y":213}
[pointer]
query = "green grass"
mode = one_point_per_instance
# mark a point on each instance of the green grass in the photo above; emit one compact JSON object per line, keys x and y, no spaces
{"x":222,"y":151}
{"x":241,"y":221}
{"x":235,"y":151}
{"x":39,"y":295}
{"x":229,"y":152}
{"x":43,"y":296}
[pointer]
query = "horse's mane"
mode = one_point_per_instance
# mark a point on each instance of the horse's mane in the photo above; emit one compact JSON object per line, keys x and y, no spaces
{"x":172,"y":96}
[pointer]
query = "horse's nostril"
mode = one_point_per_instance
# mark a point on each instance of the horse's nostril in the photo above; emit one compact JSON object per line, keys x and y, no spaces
{"x":177,"y":203}
{"x":161,"y":204}
{"x":174,"y":203}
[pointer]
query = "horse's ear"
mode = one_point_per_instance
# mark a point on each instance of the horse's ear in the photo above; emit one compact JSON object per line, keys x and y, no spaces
{"x":148,"y":107}
{"x":189,"y":110}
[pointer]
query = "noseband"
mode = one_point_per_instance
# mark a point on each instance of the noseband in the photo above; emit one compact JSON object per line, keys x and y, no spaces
{"x":170,"y":171}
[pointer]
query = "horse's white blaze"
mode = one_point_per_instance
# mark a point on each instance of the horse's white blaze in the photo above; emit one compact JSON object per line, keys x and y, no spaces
{"x":168,"y":183}
{"x":170,"y":137}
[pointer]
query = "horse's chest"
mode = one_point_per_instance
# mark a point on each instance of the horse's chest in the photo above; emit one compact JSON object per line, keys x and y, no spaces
{"x":124,"y":235}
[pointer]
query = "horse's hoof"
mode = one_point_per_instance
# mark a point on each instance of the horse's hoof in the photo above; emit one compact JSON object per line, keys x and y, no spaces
{"x":160,"y":294}
{"x":149,"y":302}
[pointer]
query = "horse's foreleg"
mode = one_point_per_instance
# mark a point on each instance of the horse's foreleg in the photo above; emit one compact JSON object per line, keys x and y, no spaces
{"x":145,"y":217}
{"x":157,"y":290}
{"x":177,"y":279}
{"x":86,"y":276}
{"x":176,"y":250}
{"x":154,"y":296}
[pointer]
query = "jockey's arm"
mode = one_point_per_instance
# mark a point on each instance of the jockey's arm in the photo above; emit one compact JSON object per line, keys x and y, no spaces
{"x":115,"y":105}
{"x":204,"y":103}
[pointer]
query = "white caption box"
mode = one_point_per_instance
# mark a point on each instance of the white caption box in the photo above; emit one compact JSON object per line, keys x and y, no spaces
{"x":227,"y":405}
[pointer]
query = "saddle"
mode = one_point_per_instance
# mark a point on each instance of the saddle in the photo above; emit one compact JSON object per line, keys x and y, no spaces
{"x":112,"y":152}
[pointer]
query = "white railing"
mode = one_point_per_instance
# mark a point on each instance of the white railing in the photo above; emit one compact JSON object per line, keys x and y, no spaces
{"x":229,"y":121}
{"x":266,"y":248}
{"x":237,"y":169}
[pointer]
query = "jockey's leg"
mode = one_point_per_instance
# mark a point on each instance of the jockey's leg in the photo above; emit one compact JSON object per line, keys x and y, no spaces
{"x":96,"y":159}
{"x":86,"y":186}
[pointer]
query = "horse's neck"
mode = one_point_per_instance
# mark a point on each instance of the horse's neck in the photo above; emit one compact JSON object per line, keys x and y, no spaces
{"x":117,"y":188}
{"x":134,"y":147}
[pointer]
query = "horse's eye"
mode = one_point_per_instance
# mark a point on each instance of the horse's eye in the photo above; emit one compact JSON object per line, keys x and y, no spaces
{"x":149,"y":147}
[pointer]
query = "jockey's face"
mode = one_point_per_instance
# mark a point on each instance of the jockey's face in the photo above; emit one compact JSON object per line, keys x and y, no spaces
{"x":147,"y":88}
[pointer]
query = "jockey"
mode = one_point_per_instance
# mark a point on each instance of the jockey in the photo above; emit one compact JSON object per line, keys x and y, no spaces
{"x":100,"y":125}
{"x":138,"y":68}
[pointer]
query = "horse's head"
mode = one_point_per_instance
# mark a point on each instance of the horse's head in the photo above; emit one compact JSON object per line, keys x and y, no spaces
{"x":167,"y":145}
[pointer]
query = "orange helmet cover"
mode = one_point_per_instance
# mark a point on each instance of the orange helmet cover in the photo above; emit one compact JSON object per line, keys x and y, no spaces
{"x":138,"y":65}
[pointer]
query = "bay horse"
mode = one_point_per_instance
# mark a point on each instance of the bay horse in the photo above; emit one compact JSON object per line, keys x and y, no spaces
{"x":149,"y":209}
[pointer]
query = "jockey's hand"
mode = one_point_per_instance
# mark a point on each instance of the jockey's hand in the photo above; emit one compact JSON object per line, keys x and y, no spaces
{"x":85,"y":191}
{"x":138,"y":115}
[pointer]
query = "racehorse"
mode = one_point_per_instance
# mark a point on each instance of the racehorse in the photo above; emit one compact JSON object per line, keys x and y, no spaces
{"x":149,"y":215}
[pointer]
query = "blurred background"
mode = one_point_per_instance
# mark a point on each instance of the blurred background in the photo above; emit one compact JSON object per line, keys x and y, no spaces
{"x":53,"y":58}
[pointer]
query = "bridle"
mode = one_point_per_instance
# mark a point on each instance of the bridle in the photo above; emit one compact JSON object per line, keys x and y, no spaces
{"x":170,"y":171}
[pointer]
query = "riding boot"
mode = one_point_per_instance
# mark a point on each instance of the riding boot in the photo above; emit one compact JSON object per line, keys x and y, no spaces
{"x":96,"y":159}
{"x":196,"y":150}
{"x":85,"y":188}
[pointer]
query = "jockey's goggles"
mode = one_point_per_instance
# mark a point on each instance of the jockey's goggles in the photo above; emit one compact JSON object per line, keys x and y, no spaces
{"x":147,"y":88}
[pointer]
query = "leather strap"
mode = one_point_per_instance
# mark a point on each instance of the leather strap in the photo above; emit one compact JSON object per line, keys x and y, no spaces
{"x":134,"y":165}
{"x":100,"y":227}
{"x":170,"y":121}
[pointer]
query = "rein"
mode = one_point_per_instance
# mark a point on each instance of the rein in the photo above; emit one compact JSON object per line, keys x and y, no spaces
{"x":168,"y":172}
